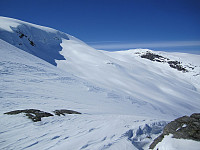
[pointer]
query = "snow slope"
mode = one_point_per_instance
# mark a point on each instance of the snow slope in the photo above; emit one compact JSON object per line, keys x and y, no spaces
{"x":40,"y":41}
{"x":29,"y":82}
{"x":170,"y":143}
{"x":124,"y":98}
{"x":147,"y":82}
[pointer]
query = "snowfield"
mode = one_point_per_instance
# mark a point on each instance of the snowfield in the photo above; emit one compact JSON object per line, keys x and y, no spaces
{"x":125,"y":100}
{"x":170,"y":143}
{"x":29,"y":82}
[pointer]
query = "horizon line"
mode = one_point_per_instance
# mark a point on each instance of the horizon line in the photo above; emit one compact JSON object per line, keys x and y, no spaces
{"x":131,"y":45}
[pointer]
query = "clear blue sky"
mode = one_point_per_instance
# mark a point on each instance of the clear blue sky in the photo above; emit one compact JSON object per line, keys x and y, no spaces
{"x":116,"y":24}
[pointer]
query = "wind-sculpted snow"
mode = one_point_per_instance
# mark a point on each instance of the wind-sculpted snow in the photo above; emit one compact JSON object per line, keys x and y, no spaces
{"x":141,"y":137}
{"x":93,"y":132}
{"x":41,"y":43}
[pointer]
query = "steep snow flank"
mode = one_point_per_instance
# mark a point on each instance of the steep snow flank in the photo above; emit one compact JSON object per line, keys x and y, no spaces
{"x":40,"y":41}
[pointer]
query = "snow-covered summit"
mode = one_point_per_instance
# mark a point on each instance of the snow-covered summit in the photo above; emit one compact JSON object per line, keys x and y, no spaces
{"x":40,"y":41}
{"x":9,"y":23}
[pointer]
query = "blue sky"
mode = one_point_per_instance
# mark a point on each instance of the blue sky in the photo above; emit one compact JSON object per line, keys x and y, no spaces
{"x":171,"y":25}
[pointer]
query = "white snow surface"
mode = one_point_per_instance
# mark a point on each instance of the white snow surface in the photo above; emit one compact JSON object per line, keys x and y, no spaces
{"x":144,"y":81}
{"x":29,"y":82}
{"x":125,"y":100}
{"x":169,"y":143}
{"x":7,"y":23}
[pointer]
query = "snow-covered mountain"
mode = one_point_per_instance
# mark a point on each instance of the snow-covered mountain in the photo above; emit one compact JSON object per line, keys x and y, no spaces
{"x":125,"y":100}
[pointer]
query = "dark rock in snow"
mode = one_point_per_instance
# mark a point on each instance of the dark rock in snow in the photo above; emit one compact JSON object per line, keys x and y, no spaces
{"x":173,"y":64}
{"x":31,"y":42}
{"x":33,"y":114}
{"x":22,"y":35}
{"x":36,"y":115}
{"x":65,"y":111}
{"x":154,"y":57}
{"x":182,"y":128}
{"x":176,"y":65}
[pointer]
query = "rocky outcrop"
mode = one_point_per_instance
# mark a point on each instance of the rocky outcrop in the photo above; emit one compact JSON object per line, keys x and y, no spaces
{"x":182,"y":128}
{"x":158,"y":58}
{"x":154,"y":57}
{"x":21,"y":35}
{"x":36,"y":115}
{"x":177,"y":65}
{"x":33,"y":114}
{"x":65,"y":111}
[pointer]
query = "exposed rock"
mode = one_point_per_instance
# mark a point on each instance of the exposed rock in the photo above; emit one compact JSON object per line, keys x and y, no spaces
{"x":33,"y":114}
{"x":182,"y":128}
{"x":153,"y":57}
{"x":22,"y":35}
{"x":65,"y":111}
{"x":173,"y":64}
{"x":156,"y":141}
{"x":176,"y":65}
{"x":31,"y":42}
{"x":36,"y":115}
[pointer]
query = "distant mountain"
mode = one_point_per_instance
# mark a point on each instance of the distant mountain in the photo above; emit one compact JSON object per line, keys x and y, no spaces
{"x":125,"y":97}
